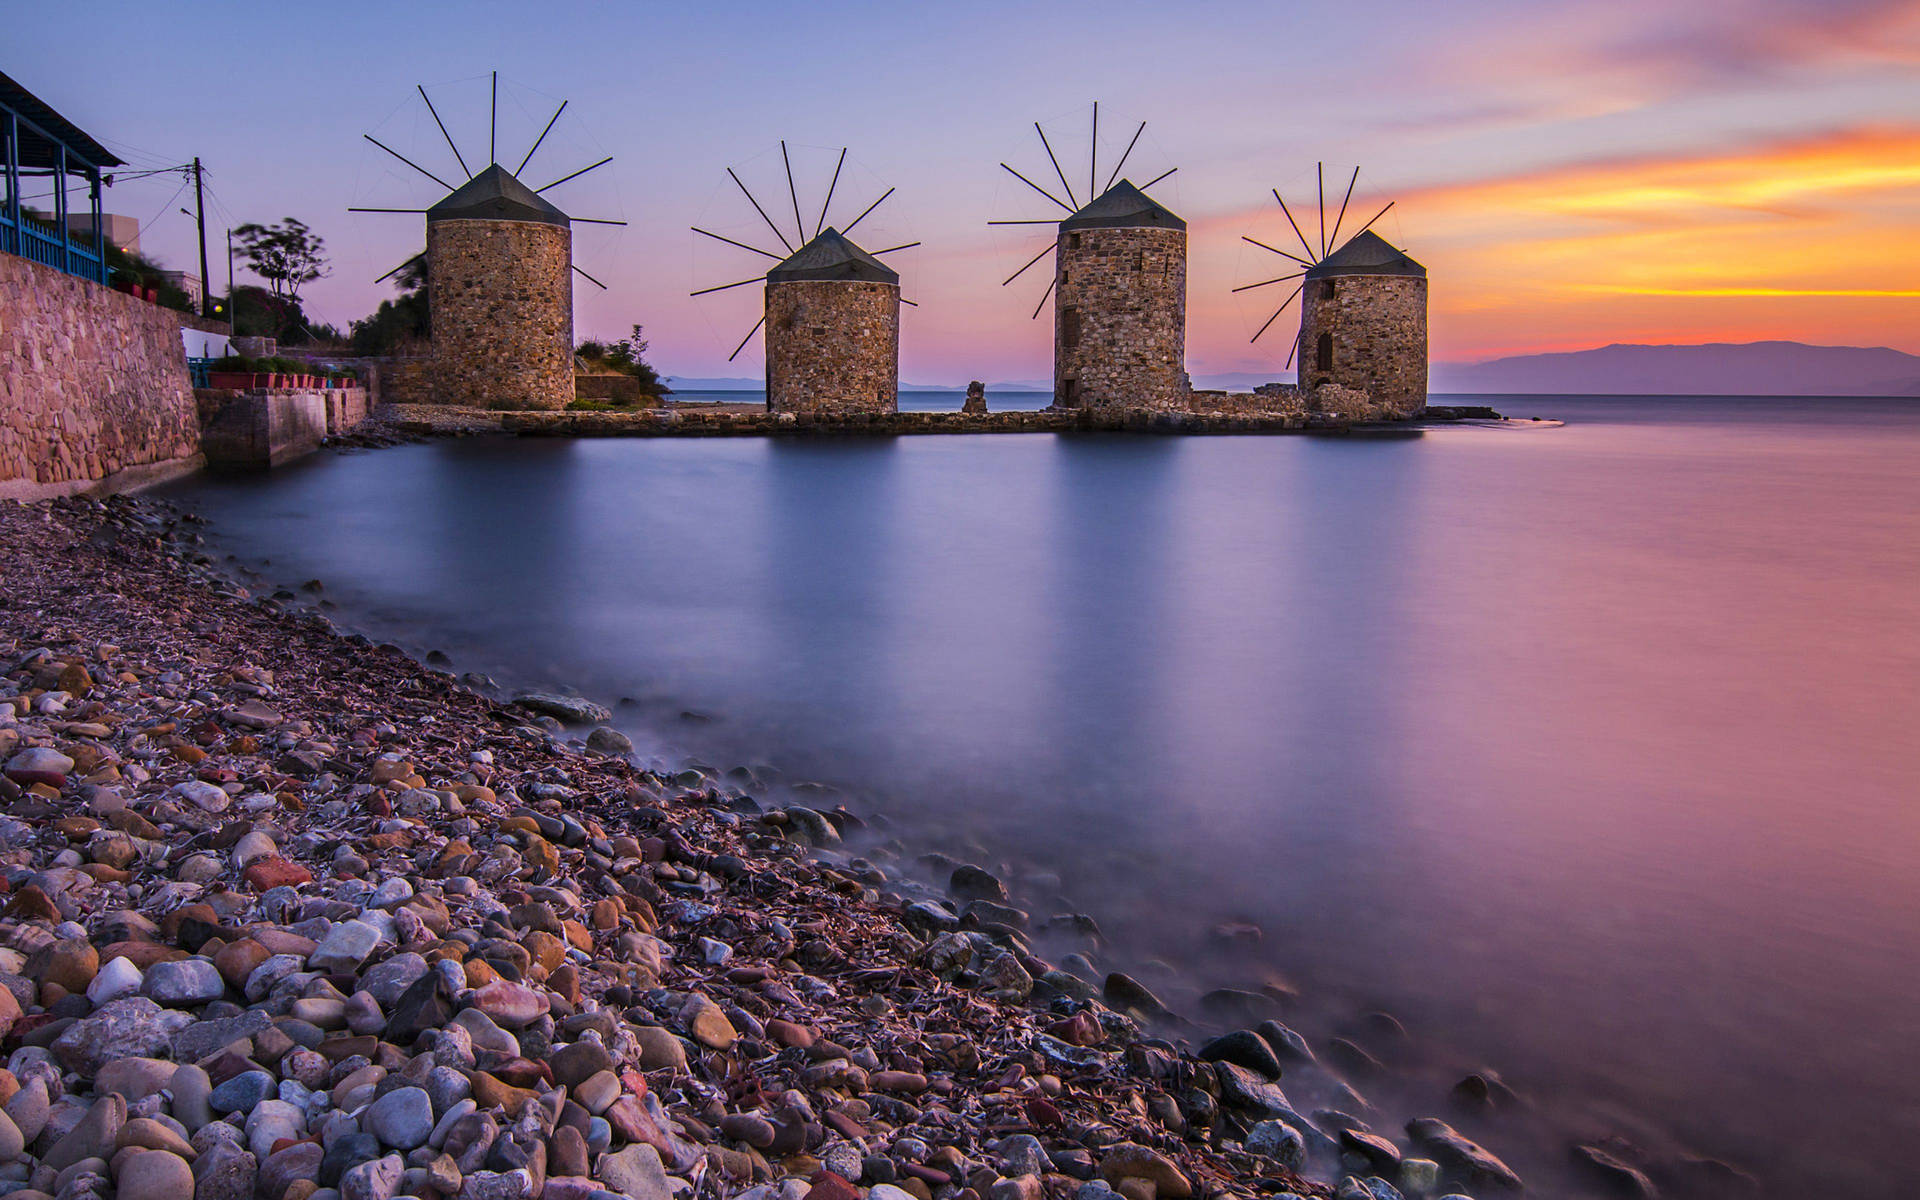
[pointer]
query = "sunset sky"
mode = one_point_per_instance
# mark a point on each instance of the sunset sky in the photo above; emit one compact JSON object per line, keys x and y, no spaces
{"x":1571,"y":173}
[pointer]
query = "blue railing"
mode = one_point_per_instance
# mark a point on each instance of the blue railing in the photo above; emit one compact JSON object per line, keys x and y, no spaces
{"x":201,"y":369}
{"x":53,"y":244}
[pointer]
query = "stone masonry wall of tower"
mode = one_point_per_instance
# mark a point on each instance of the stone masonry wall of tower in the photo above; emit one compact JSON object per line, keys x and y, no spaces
{"x":833,"y":346}
{"x":1376,"y":330}
{"x":1120,"y":318}
{"x":501,"y":295}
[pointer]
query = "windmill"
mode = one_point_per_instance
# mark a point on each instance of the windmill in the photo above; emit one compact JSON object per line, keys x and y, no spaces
{"x":499,"y":261}
{"x":1119,"y":284}
{"x":832,"y":311}
{"x":1363,"y":307}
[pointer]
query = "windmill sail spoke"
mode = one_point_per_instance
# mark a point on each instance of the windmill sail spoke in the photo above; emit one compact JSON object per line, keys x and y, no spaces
{"x":541,"y":138}
{"x":723,"y":287}
{"x":1282,"y":253}
{"x":1125,"y":153}
{"x":891,"y":249}
{"x":1093,"y":155}
{"x":1276,"y":314}
{"x":1041,"y":221}
{"x":1343,"y":206}
{"x":403,"y":158}
{"x":1295,"y":349}
{"x":493,"y":120}
{"x":869,"y":208}
{"x":1023,"y":270}
{"x":1064,"y":185}
{"x":1376,"y":217}
{"x":1043,"y":302}
{"x":1264,"y":282}
{"x":577,"y":174}
{"x":443,"y":131}
{"x":914,"y":303}
{"x":1157,"y":178}
{"x":1320,"y":181}
{"x":595,"y":221}
{"x":761,"y":211}
{"x":729,"y":241}
{"x":828,"y":202}
{"x":799,"y":226}
{"x":748,"y":338}
{"x":403,"y":266}
{"x":1304,"y":244}
{"x":1036,"y":187}
{"x":389,"y":210}
{"x":590,"y":279}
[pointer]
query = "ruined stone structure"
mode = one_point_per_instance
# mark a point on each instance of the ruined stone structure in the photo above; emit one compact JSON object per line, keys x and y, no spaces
{"x":94,"y":392}
{"x":833,"y":331}
{"x":976,"y":402}
{"x":1120,"y":305}
{"x":1363,"y":326}
{"x":500,"y":296}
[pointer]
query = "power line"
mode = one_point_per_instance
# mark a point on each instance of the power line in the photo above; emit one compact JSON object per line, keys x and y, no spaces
{"x":163,"y":208}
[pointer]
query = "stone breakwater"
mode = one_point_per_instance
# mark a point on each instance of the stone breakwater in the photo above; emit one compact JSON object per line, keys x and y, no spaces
{"x":289,"y":916}
{"x":421,"y":420}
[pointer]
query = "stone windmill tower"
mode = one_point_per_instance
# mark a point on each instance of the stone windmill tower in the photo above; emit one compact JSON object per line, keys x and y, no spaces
{"x":1363,"y":313}
{"x":832,"y":315}
{"x":500,"y":269}
{"x":1119,"y":289}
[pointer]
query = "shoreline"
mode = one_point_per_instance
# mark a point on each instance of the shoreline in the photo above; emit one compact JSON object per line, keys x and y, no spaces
{"x":1126,"y":1082}
{"x":425,"y":420}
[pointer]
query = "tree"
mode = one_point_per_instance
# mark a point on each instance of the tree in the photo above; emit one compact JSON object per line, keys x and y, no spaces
{"x":399,"y":323}
{"x":627,"y":356}
{"x":286,"y":255}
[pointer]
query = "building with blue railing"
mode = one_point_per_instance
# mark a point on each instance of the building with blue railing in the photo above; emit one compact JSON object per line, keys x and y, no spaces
{"x":51,"y":164}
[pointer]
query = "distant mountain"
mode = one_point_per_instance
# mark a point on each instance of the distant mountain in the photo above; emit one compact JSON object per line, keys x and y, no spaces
{"x":694,"y":383}
{"x":1718,"y":369}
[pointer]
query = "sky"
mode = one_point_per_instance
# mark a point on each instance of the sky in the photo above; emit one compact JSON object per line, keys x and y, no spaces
{"x":1571,"y":173}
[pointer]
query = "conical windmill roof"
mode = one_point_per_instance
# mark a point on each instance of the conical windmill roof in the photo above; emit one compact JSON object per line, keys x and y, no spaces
{"x":1367,"y":253}
{"x":831,"y":256}
{"x":495,"y":195}
{"x":1123,"y":206}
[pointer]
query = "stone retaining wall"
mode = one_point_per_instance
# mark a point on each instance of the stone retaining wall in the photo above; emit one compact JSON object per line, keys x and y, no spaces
{"x":263,"y":429}
{"x":616,"y":389}
{"x":94,"y":392}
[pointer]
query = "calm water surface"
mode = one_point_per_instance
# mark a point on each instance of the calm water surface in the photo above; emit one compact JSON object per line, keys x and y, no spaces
{"x":1588,"y":752}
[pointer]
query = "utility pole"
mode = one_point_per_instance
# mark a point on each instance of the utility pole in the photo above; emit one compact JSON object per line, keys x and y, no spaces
{"x":200,"y":218}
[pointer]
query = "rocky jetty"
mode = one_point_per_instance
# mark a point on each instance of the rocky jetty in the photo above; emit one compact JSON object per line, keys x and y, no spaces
{"x":285,"y":915}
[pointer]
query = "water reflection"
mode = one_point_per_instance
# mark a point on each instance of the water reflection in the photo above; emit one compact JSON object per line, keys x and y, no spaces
{"x":1587,"y":752}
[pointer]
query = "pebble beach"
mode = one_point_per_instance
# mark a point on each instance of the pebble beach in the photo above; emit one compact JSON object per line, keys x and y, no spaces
{"x":289,"y":915}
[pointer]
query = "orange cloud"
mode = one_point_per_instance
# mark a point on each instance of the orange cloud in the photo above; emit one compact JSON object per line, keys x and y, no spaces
{"x":1815,"y":238}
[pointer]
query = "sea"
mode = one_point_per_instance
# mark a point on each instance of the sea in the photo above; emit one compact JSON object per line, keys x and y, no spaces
{"x":1584,"y":748}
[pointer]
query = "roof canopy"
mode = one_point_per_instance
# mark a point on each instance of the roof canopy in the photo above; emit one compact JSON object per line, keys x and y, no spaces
{"x":36,"y":150}
{"x":1367,"y":253}
{"x":832,"y":256}
{"x":495,"y":195}
{"x":1123,"y":206}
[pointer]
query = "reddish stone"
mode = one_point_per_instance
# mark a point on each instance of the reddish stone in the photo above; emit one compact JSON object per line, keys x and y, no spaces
{"x":274,"y":871}
{"x":828,"y":1186}
{"x":1081,"y":1029}
{"x":1041,"y":1112}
